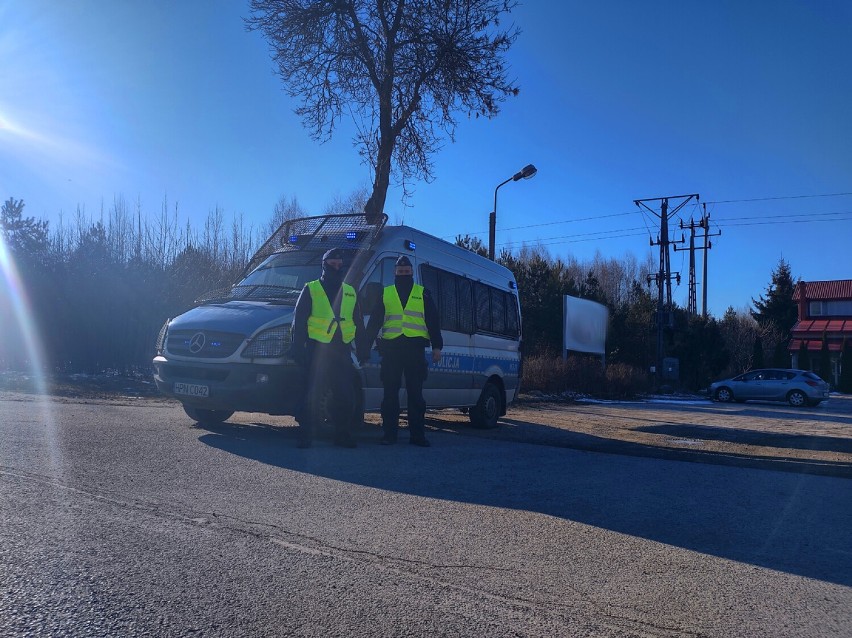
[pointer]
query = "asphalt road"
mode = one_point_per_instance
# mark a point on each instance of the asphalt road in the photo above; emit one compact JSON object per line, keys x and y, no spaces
{"x":120,"y":518}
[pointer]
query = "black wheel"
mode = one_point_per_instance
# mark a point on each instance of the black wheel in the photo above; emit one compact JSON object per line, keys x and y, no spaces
{"x":724,"y":395}
{"x":797,"y":398}
{"x":208,"y":417}
{"x":487,"y":410}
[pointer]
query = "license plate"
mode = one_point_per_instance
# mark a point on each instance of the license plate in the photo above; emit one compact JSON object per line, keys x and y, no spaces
{"x":192,"y":389}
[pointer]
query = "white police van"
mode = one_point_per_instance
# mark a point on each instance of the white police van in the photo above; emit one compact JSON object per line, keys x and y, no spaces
{"x":230,"y":352}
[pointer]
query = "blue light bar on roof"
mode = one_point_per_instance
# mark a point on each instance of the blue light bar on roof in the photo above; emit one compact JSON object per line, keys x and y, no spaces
{"x":351,"y":235}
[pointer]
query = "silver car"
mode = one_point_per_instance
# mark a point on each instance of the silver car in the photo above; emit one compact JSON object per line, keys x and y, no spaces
{"x":796,"y":387}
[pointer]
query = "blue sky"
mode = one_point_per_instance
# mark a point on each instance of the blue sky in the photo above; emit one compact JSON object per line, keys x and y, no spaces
{"x":748,"y":104}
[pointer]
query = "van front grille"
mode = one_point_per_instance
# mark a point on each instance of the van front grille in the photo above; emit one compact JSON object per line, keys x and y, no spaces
{"x":204,"y":344}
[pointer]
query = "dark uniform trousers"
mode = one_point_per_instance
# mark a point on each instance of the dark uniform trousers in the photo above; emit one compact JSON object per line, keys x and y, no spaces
{"x":329,"y":381}
{"x":403,"y":356}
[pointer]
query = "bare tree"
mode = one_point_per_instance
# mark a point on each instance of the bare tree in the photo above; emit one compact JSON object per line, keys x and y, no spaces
{"x":355,"y":201}
{"x":400,"y":68}
{"x":285,"y":209}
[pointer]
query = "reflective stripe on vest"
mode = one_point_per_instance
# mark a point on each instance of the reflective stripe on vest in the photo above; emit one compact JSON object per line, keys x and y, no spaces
{"x":410,"y":321}
{"x":322,"y":324}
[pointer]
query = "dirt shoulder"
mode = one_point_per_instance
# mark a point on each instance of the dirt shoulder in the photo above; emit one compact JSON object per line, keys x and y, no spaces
{"x":779,"y":437}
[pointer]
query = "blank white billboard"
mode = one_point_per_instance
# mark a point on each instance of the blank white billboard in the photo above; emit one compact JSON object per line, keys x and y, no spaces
{"x":584,"y":325}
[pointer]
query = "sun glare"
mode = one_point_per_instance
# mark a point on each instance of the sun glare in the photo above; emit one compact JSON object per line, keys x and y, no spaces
{"x":15,"y":297}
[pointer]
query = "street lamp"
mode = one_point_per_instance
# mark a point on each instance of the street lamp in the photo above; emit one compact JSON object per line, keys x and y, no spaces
{"x":525,"y":173}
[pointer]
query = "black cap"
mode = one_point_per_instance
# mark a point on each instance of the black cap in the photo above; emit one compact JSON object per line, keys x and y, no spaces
{"x":403,"y":261}
{"x":334,"y":253}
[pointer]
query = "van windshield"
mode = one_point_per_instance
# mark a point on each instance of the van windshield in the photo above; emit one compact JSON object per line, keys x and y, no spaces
{"x":289,"y":270}
{"x":278,"y":270}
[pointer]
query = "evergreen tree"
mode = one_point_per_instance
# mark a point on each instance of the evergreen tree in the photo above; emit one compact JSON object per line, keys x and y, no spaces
{"x":757,"y":353}
{"x":777,"y":308}
{"x":473,"y":244}
{"x":26,"y":237}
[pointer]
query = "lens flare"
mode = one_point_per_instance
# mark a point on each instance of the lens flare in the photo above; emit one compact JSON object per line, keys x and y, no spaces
{"x":15,"y":306}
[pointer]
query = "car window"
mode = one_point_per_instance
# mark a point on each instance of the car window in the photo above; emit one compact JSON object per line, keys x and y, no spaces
{"x":811,"y":376}
{"x":751,"y":376}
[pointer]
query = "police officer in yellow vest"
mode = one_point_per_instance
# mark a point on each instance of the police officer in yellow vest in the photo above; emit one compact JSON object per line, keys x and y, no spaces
{"x":325,"y":323}
{"x":409,"y":321}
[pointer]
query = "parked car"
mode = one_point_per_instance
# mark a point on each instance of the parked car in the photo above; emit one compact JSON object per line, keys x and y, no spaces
{"x":796,"y":387}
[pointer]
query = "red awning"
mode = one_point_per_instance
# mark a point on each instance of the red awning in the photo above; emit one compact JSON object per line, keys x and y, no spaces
{"x":813,"y":345}
{"x":814,"y":328}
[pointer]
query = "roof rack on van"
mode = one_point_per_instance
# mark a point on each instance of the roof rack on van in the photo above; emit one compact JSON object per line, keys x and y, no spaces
{"x":312,"y":236}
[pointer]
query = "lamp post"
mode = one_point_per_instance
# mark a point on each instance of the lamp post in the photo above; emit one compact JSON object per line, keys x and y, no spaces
{"x":525,"y":173}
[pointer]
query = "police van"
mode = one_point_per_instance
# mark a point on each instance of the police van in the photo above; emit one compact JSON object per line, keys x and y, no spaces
{"x":231,"y":351}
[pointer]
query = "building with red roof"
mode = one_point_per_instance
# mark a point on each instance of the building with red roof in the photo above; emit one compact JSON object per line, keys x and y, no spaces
{"x":825,"y":313}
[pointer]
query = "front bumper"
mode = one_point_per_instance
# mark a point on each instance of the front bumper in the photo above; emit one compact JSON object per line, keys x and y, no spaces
{"x":238,"y":387}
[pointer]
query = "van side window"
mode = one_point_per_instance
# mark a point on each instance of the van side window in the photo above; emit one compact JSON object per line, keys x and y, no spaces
{"x":513,"y":328}
{"x":452,"y":295}
{"x":482,"y":303}
{"x":429,"y":280}
{"x":373,"y":288}
{"x":498,"y":311}
{"x":469,"y":306}
{"x":465,"y":293}
{"x":448,"y":301}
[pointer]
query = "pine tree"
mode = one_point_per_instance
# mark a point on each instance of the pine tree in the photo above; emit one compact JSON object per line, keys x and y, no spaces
{"x":757,"y":353}
{"x":777,"y":308}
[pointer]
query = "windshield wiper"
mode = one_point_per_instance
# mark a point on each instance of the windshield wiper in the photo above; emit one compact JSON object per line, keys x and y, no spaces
{"x":251,"y":292}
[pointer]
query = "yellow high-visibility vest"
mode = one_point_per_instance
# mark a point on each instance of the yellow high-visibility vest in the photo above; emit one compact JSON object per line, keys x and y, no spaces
{"x":409,"y":321}
{"x":322,"y":324}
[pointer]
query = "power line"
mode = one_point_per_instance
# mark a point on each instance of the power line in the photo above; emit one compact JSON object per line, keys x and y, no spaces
{"x":791,"y":221}
{"x":540,"y":242}
{"x":767,"y":199}
{"x":564,"y":221}
{"x":734,"y":221}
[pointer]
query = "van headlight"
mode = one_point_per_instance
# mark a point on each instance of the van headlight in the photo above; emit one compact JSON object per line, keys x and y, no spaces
{"x":269,"y":344}
{"x":161,"y":338}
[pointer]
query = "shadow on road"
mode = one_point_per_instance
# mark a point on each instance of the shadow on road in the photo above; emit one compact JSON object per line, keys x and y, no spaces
{"x":792,"y":522}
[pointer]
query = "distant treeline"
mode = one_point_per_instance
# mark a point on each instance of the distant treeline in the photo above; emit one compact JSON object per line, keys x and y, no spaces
{"x":95,"y":292}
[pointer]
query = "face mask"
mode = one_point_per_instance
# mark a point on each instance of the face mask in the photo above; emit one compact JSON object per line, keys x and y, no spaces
{"x":405,"y":281}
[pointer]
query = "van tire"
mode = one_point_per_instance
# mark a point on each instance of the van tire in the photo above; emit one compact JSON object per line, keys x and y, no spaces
{"x":486,"y":412}
{"x":207,"y":417}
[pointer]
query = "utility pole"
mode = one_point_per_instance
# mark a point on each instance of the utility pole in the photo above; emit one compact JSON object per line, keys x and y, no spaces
{"x":705,"y":220}
{"x":704,"y":224}
{"x":664,"y":275}
{"x":692,"y":303}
